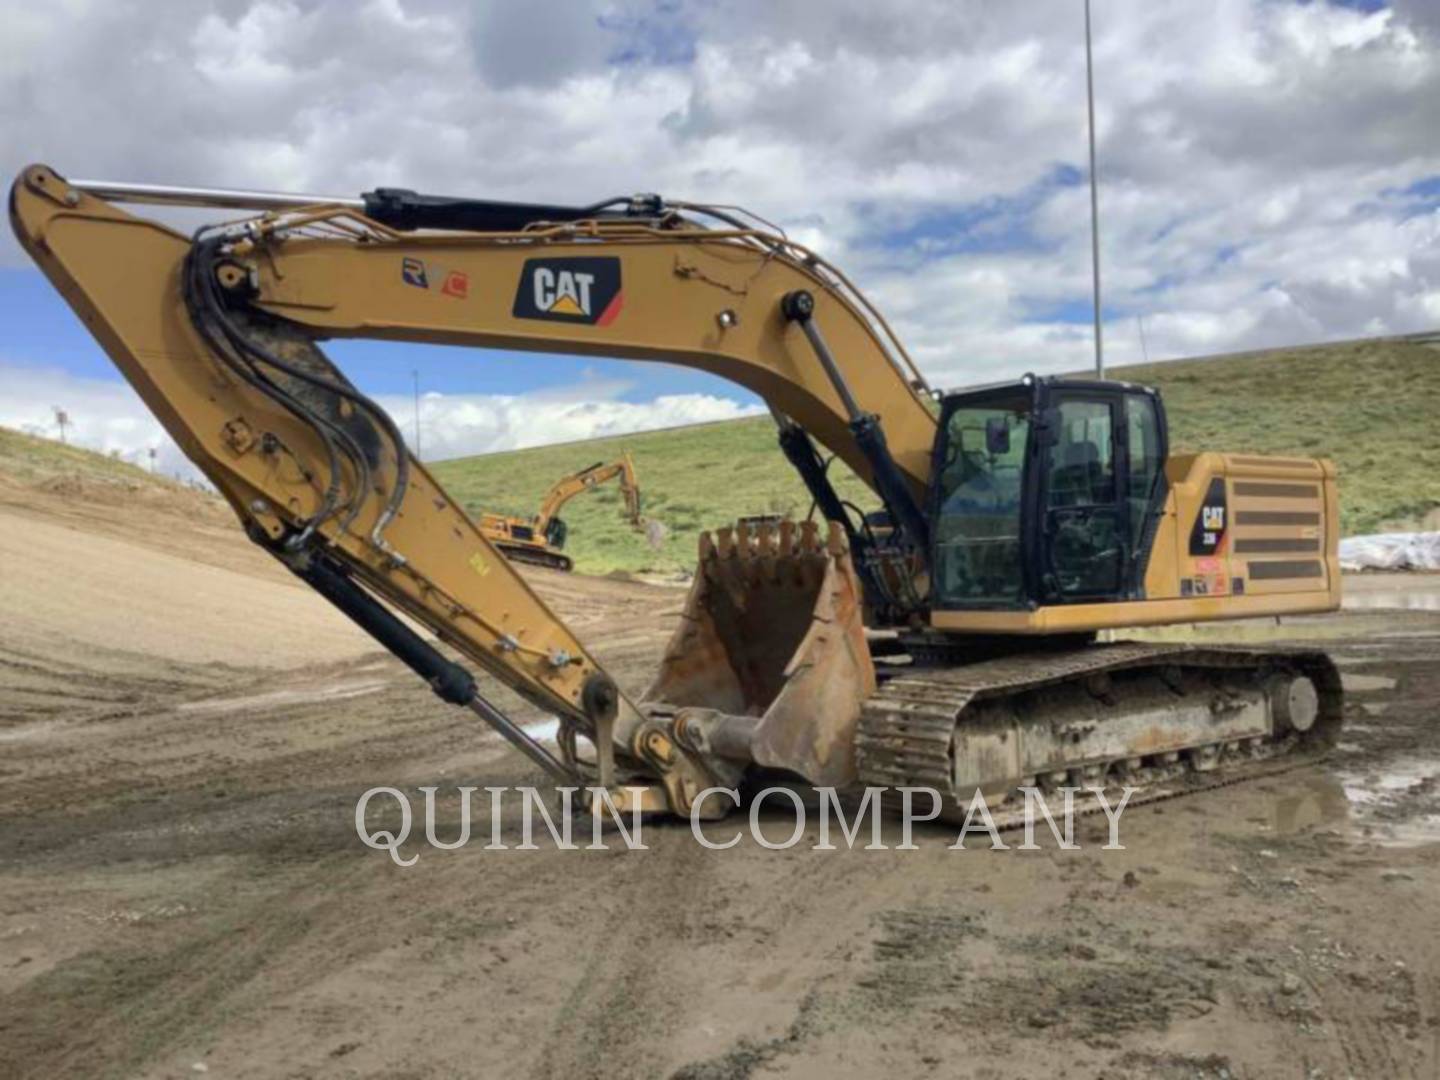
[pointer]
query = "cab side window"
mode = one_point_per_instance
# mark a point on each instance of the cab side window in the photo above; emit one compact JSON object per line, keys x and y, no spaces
{"x":1084,"y":526}
{"x":1143,"y":429}
{"x":1083,"y":466}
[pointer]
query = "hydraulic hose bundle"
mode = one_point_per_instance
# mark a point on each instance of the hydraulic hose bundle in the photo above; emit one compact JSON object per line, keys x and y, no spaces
{"x":233,"y":336}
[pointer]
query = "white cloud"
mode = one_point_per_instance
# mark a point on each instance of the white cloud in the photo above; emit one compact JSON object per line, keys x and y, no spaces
{"x":1251,"y":150}
{"x":107,"y":416}
{"x":455,"y":425}
{"x":102,"y":415}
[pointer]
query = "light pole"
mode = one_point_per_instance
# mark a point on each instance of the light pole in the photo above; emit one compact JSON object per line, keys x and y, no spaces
{"x":416,"y":373}
{"x":1094,"y":198}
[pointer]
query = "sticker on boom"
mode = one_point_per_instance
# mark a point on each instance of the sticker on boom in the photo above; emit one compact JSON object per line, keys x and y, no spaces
{"x":581,"y":290}
{"x":412,"y":272}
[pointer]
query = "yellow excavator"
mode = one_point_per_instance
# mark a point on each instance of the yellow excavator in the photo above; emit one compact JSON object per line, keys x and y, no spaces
{"x":540,"y":540}
{"x":946,"y":640}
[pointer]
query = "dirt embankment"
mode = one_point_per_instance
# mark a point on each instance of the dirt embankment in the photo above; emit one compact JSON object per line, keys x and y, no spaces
{"x":184,"y":733}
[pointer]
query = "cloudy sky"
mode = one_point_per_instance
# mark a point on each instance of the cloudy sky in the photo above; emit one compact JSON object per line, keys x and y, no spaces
{"x":1270,"y":170}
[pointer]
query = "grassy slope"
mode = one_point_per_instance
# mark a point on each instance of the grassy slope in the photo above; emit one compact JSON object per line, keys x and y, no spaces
{"x":691,"y":478}
{"x":32,"y":459}
{"x":1370,"y":406}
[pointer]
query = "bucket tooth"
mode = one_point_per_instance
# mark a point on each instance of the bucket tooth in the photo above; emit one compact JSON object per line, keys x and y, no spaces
{"x":787,"y":538}
{"x":808,"y":542}
{"x":772,"y":630}
{"x":765,"y":539}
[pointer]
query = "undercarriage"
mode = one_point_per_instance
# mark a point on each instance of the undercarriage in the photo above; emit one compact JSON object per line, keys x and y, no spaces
{"x":1159,"y":719}
{"x":536,"y":556}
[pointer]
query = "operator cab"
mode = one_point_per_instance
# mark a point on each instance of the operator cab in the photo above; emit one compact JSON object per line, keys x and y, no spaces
{"x":556,"y":532}
{"x":1047,"y":491}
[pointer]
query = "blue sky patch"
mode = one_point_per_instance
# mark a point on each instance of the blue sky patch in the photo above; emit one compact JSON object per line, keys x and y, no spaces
{"x":1368,"y":6}
{"x":42,"y":332}
{"x":995,"y":225}
{"x":663,"y":37}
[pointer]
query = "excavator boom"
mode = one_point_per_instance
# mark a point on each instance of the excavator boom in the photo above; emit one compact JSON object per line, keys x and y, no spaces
{"x":217,"y":335}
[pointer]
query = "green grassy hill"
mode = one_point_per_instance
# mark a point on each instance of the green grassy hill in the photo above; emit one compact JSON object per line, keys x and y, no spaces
{"x":32,"y":459}
{"x":1371,"y":406}
{"x":691,"y":478}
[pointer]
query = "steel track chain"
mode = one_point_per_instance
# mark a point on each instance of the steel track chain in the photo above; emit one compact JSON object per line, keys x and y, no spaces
{"x":906,"y":729}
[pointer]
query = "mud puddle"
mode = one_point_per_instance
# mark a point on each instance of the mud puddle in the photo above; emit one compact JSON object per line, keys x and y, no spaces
{"x":543,"y":730}
{"x":1392,"y":600}
{"x":1393,"y":804}
{"x":272,"y":699}
{"x":1362,"y":684}
{"x":30,"y":731}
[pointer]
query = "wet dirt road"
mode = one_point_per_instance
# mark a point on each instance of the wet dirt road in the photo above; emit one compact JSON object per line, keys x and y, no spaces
{"x":182,"y":890}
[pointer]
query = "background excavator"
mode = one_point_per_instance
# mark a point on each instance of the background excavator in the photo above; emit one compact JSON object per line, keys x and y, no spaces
{"x":540,"y":540}
{"x":947,"y":640}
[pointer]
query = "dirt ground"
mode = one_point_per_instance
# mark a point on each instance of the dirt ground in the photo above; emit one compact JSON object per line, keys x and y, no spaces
{"x":184,"y":734}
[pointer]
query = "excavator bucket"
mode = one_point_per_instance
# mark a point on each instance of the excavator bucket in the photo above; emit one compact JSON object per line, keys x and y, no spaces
{"x":769,"y":664}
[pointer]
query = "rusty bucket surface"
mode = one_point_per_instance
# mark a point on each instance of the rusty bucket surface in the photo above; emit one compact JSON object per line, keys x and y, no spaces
{"x":771,"y":644}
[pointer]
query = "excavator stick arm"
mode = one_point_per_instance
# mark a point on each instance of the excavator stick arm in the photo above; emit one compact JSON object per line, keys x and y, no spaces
{"x":588,"y":479}
{"x":125,"y":276}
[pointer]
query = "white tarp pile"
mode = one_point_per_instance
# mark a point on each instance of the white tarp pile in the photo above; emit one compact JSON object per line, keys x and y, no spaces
{"x":1391,"y":551}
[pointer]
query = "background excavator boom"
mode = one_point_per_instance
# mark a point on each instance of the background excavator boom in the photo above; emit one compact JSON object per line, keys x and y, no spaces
{"x":566,"y":488}
{"x":540,"y":539}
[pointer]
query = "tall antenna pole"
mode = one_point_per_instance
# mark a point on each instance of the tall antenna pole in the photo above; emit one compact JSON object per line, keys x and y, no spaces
{"x":416,"y":373}
{"x":1094,"y":198}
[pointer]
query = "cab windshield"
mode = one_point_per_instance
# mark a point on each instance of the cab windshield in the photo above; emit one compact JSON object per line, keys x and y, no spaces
{"x":978,"y":552}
